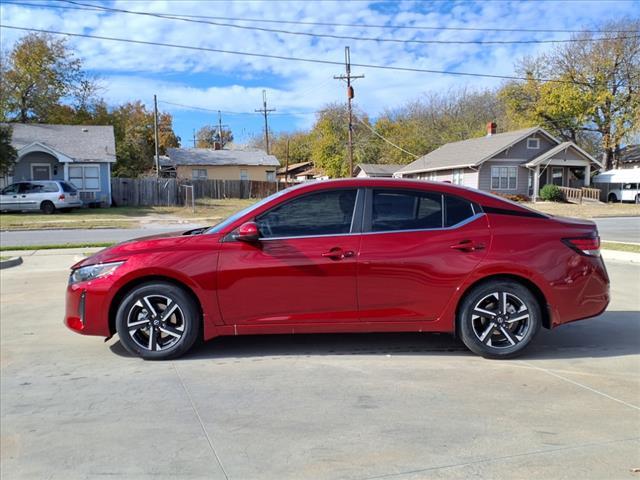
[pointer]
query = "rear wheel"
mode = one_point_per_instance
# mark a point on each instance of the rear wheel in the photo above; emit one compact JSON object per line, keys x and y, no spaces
{"x":158,"y":321}
{"x":47,"y":207}
{"x":498,"y":319}
{"x":612,"y":198}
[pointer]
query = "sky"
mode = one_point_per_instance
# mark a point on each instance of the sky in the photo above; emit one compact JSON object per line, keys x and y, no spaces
{"x":233,"y":84}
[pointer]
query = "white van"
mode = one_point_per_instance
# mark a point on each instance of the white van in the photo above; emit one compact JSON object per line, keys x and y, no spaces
{"x":622,"y":185}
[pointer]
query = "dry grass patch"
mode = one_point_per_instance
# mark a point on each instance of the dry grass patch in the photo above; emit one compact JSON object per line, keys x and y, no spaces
{"x":587,"y":210}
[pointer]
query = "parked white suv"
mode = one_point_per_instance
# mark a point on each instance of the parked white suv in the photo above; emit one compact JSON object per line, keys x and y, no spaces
{"x":44,"y":195}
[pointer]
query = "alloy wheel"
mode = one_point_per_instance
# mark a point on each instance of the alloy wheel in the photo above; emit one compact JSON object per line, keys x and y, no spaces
{"x":500,"y":320}
{"x":156,"y":322}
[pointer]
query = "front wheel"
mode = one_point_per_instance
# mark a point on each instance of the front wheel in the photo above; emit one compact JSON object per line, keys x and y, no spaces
{"x":498,"y":319}
{"x":158,"y":321}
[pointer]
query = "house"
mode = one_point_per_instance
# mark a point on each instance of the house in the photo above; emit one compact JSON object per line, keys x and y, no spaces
{"x":208,"y":163}
{"x":296,"y":172}
{"x":630,"y":157}
{"x":375,"y":170}
{"x":520,"y":162}
{"x":79,"y":154}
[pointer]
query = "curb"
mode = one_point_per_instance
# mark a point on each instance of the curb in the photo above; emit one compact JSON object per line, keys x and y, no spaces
{"x":12,"y":262}
{"x":619,"y":256}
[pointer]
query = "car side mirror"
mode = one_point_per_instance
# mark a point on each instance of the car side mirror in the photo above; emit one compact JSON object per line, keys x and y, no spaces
{"x":248,"y":232}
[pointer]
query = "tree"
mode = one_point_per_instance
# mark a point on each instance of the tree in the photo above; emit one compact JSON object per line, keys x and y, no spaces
{"x":299,"y":146}
{"x":590,"y":92}
{"x":8,"y":154}
{"x":39,"y":72}
{"x":208,"y":136}
{"x":329,"y":137}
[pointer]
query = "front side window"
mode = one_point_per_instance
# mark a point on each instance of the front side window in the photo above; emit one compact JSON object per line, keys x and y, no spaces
{"x":405,"y":210}
{"x":504,"y":178}
{"x":322,"y":213}
{"x":10,"y":190}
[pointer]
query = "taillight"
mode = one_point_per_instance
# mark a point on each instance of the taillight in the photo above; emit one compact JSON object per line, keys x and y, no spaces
{"x":61,"y":196}
{"x":584,"y":245}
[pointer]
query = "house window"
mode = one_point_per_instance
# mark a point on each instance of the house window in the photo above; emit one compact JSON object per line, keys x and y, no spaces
{"x":533,"y":143}
{"x":244,"y":175}
{"x":85,"y":177}
{"x":199,"y":174}
{"x":557,"y":176}
{"x":457,"y":176}
{"x":271,"y":176}
{"x":504,"y":178}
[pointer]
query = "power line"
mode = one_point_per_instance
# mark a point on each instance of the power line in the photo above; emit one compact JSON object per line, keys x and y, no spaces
{"x":355,"y":25}
{"x":331,"y":35}
{"x":193,"y":107}
{"x":385,"y":139}
{"x":296,"y":59}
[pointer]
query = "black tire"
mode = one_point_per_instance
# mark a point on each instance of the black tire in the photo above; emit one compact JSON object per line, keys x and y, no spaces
{"x":487,"y":330}
{"x":47,"y":207}
{"x":163,"y":344}
{"x":612,"y":198}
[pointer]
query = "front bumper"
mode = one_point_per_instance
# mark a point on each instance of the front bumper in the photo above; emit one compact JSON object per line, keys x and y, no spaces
{"x":87,"y":308}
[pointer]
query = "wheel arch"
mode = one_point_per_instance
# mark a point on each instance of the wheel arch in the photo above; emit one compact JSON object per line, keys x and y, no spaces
{"x":525,"y":282}
{"x":124,"y":290}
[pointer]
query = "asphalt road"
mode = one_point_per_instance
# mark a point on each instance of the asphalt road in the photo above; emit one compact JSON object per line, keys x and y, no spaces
{"x":401,"y":406}
{"x":620,"y":229}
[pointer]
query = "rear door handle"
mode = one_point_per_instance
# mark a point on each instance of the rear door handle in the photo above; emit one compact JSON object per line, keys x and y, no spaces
{"x":337,"y":253}
{"x":468,"y":246}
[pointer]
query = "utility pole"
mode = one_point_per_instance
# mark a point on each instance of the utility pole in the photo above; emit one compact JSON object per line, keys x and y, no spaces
{"x":265,"y":111}
{"x":155,"y":132}
{"x":286,"y":168}
{"x":194,"y":138}
{"x":350,"y":94}
{"x":220,"y":125}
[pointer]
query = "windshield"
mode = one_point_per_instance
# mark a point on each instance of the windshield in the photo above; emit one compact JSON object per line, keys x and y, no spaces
{"x":225,"y":223}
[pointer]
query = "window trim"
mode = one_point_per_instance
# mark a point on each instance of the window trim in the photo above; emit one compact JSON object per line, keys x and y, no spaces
{"x":83,"y":166}
{"x":537,"y":140}
{"x":354,"y":229}
{"x":515,"y":167}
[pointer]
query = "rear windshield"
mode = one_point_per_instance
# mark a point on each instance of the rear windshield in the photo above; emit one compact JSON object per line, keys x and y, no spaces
{"x":66,"y":187}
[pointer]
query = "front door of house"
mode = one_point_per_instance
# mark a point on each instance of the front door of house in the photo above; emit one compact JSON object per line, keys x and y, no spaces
{"x":41,"y":172}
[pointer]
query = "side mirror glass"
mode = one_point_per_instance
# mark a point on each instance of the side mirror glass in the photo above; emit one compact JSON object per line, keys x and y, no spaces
{"x":248,"y":232}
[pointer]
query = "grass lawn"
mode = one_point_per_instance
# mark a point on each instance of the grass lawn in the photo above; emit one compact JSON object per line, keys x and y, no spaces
{"x":622,"y":247}
{"x":208,"y":212}
{"x":587,"y":210}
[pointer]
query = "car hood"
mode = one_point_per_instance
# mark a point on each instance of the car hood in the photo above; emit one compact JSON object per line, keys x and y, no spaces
{"x":150,"y":243}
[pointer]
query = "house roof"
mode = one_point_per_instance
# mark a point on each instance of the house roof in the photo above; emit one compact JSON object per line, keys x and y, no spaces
{"x":88,"y":143}
{"x":211,"y":157}
{"x":561,"y":148}
{"x":378,"y":169}
{"x":630,"y":154}
{"x":471,"y":152}
{"x":295,"y":166}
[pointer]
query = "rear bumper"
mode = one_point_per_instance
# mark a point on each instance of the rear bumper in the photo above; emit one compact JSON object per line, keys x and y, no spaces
{"x":69,"y":204}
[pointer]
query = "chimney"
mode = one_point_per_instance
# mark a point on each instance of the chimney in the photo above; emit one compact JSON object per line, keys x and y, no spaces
{"x":491,"y":128}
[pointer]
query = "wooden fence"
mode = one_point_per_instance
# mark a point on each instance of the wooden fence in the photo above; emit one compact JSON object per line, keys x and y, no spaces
{"x":171,"y":192}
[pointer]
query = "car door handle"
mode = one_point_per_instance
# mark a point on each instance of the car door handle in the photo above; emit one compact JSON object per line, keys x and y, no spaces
{"x":468,"y":246}
{"x":337,"y":253}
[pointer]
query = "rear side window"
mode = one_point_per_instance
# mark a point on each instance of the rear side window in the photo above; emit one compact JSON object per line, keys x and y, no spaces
{"x":456,"y":210}
{"x":405,"y":210}
{"x":322,"y":213}
{"x":43,"y":187}
{"x":68,"y":188}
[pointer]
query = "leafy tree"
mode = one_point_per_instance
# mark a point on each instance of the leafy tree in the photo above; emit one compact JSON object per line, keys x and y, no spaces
{"x":329,"y":141}
{"x":593,"y":96}
{"x":36,"y":75}
{"x":209,"y":135}
{"x":299,"y":146}
{"x":8,"y":154}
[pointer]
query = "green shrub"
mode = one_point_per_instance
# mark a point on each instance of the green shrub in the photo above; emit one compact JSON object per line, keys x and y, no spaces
{"x":551,"y":193}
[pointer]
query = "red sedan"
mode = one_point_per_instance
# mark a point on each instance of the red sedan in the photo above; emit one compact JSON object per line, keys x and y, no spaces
{"x":357,"y":255}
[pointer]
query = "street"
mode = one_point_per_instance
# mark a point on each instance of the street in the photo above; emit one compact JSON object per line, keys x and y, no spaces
{"x":617,"y":229}
{"x":397,"y":406}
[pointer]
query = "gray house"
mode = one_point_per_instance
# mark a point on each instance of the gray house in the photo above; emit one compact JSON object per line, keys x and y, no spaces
{"x":79,"y":154}
{"x":375,"y":170}
{"x":519,"y":162}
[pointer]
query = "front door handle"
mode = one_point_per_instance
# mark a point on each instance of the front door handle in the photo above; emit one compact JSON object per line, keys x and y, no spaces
{"x":336,"y":253}
{"x":468,"y":246}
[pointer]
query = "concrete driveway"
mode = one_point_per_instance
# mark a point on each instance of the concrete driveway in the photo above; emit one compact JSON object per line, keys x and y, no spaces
{"x":405,"y":406}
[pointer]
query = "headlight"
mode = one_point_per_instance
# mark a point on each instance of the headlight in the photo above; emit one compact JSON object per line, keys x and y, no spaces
{"x":90,"y":272}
